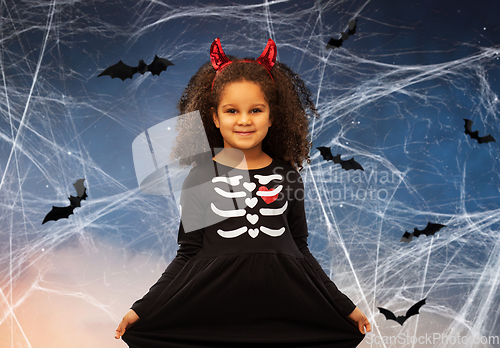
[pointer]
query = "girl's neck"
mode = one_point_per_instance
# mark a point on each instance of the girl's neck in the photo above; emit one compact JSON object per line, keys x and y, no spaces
{"x":237,"y":159}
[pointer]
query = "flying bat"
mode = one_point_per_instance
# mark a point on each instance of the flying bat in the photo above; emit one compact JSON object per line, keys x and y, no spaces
{"x":123,"y":71}
{"x":402,"y":318}
{"x":351,"y":30}
{"x":475,"y":134}
{"x":349,"y":164}
{"x":64,"y":212}
{"x":429,"y":230}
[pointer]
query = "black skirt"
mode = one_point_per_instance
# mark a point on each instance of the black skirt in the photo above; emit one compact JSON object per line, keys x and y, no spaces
{"x":245,"y":301}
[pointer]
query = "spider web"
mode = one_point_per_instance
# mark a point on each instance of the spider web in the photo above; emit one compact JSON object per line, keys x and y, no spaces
{"x":394,"y":97}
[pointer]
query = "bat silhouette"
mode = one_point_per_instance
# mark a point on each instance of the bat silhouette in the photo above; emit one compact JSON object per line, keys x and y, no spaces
{"x":64,"y":212}
{"x":475,"y":134}
{"x":333,"y":43}
{"x":123,"y":71}
{"x":349,"y":164}
{"x":429,"y":230}
{"x":402,"y":318}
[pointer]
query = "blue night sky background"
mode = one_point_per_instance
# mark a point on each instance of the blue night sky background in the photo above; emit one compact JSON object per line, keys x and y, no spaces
{"x":393,"y":97}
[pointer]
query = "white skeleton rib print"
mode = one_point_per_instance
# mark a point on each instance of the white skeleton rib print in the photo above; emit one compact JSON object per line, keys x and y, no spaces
{"x":267,"y":195}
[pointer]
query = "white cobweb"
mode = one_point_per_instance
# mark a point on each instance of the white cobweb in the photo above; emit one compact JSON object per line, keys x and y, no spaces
{"x":67,"y":283}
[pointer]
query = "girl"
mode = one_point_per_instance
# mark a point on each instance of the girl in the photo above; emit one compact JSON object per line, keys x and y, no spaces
{"x":243,"y":274}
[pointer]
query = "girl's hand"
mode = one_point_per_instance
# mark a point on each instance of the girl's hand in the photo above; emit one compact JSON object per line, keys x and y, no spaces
{"x":128,"y":320}
{"x":360,"y":320}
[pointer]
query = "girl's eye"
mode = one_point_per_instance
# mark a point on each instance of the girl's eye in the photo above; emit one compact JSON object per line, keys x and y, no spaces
{"x":233,"y":111}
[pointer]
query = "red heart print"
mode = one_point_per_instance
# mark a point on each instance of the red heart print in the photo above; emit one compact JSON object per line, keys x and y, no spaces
{"x":268,"y":199}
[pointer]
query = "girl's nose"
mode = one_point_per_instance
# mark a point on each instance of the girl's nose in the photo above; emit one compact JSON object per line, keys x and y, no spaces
{"x":244,"y":118}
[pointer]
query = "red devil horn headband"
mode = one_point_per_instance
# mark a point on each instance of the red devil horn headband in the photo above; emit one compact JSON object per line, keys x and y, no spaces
{"x":220,"y":61}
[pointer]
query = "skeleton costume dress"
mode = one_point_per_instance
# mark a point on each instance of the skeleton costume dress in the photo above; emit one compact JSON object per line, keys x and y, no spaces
{"x":243,"y":275}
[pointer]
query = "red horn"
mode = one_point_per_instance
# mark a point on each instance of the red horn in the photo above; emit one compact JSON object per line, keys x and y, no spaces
{"x":217,"y":55}
{"x":268,"y":57}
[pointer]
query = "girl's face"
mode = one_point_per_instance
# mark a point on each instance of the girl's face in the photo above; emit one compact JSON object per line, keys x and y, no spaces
{"x":243,"y":116}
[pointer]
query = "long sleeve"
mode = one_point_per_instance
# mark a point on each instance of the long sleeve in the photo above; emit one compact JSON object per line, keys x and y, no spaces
{"x":189,"y":243}
{"x":187,"y":249}
{"x":298,"y":226}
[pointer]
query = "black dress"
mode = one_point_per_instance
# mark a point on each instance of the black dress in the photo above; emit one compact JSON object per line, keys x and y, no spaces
{"x":243,"y":275}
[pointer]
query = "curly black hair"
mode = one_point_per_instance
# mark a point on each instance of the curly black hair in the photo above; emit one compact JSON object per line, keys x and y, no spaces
{"x":290,"y":110}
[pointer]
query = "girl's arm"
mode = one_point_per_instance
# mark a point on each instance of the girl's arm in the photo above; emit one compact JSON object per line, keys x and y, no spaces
{"x":298,"y":226}
{"x":190,"y":242}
